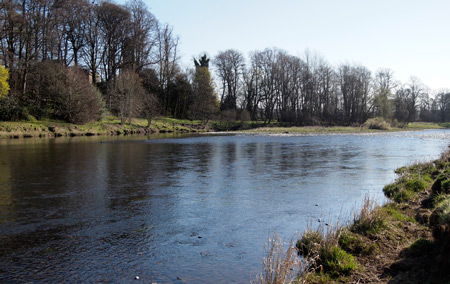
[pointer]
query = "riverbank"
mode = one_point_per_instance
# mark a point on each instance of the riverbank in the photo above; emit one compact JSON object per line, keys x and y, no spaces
{"x":112,"y":126}
{"x":364,"y":128}
{"x":404,"y":241}
{"x":108,"y":126}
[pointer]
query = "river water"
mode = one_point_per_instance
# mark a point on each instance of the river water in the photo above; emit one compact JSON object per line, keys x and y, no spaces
{"x":200,"y":209}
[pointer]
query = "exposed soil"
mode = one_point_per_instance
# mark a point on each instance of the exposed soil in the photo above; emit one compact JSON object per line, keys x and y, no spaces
{"x":399,"y":262}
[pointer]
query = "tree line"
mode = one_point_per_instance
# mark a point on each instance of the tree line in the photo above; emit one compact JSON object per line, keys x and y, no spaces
{"x":76,"y":60}
{"x":273,"y":85}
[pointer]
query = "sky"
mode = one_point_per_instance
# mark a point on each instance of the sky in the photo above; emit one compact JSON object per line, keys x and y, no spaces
{"x":410,"y":37}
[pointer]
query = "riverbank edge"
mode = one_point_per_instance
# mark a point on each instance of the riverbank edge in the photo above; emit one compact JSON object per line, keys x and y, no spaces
{"x":112,"y":127}
{"x":406,"y":240}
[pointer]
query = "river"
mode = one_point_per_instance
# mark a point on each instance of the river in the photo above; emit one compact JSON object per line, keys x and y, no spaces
{"x":200,"y":209}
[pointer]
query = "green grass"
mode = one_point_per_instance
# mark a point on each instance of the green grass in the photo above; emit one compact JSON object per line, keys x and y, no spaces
{"x":336,"y":261}
{"x":413,"y":180}
{"x":107,"y":126}
{"x":354,"y":244}
{"x":394,"y":213}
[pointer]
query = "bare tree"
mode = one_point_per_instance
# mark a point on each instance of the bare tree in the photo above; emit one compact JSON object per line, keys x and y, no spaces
{"x":143,"y":37}
{"x":229,"y":68}
{"x":355,"y":87}
{"x":415,"y":91}
{"x":127,"y":95}
{"x":167,"y":62}
{"x":114,"y":25}
{"x":72,"y":16}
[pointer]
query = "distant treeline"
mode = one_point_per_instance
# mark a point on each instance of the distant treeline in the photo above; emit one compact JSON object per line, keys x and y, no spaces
{"x":75,"y":60}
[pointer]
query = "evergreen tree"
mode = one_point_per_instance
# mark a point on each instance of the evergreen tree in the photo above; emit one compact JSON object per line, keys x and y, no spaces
{"x":204,"y":101}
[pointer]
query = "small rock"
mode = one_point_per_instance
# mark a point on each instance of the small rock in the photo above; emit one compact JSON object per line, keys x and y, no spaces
{"x":200,"y":237}
{"x":316,"y":205}
{"x":137,"y":277}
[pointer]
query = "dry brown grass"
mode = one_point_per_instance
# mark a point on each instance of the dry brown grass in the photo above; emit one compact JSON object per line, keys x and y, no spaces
{"x":280,"y":264}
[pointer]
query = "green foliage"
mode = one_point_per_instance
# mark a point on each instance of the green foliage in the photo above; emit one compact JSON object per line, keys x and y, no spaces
{"x":4,"y":85}
{"x":309,"y":243}
{"x":204,"y":100}
{"x":335,"y":261}
{"x":10,"y":109}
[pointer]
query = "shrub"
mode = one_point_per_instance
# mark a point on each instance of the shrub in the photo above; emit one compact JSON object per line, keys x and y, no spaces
{"x":61,"y":92}
{"x":377,"y":123}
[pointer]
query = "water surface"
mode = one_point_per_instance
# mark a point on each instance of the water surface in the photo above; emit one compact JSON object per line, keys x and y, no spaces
{"x":199,"y":208}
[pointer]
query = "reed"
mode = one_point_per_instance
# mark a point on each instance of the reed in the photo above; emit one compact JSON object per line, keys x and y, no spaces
{"x":280,"y":264}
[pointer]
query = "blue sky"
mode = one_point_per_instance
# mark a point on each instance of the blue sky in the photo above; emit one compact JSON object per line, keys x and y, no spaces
{"x":410,"y":37}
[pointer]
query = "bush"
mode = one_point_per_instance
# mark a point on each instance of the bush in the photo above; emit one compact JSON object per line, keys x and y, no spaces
{"x":61,"y":92}
{"x":10,"y":108}
{"x":377,"y":123}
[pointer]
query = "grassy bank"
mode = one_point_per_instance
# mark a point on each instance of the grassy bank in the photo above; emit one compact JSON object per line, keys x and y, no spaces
{"x":370,"y":126}
{"x":108,"y":126}
{"x":404,"y":241}
{"x":112,"y":126}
